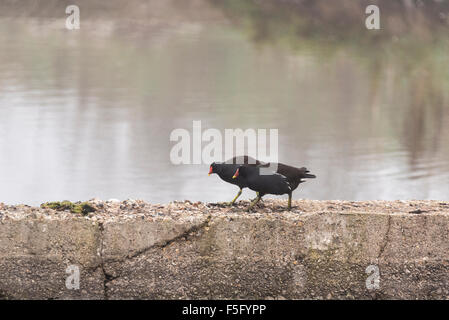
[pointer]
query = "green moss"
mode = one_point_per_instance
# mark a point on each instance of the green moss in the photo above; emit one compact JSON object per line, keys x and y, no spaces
{"x":79,"y":207}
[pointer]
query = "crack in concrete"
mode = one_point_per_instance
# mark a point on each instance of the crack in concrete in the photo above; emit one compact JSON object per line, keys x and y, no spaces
{"x":162,"y":244}
{"x":107,"y":277}
{"x":187,"y":234}
{"x":386,"y":239}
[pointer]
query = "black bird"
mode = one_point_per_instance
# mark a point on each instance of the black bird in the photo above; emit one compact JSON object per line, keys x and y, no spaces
{"x":226,"y":170}
{"x":283,"y":181}
{"x":294,"y":175}
{"x":263,"y":184}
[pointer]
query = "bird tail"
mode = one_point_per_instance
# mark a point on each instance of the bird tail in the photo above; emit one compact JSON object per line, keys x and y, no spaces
{"x":307,"y":174}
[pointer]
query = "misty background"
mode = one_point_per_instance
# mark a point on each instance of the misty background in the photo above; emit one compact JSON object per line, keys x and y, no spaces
{"x":88,"y":113}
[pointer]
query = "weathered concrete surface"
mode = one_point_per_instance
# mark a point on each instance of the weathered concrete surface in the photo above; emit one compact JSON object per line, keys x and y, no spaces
{"x":136,"y":250}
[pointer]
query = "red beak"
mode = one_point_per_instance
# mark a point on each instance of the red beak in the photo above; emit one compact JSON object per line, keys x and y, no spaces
{"x":236,"y":174}
{"x":211,"y":170}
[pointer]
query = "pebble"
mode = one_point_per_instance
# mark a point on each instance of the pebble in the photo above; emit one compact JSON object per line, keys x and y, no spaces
{"x":270,"y":208}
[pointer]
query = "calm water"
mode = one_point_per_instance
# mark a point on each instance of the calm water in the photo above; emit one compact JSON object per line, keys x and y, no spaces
{"x":89,"y":113}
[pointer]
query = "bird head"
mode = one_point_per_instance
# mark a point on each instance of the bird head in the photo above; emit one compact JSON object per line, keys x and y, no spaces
{"x":236,"y":174}
{"x":213,"y":168}
{"x":240,"y":172}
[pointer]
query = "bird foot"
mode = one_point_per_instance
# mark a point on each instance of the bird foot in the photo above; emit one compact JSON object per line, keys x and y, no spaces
{"x":220,"y":204}
{"x":253,"y":207}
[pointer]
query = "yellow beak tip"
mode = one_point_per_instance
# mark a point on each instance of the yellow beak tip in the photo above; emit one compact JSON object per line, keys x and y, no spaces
{"x":233,"y":177}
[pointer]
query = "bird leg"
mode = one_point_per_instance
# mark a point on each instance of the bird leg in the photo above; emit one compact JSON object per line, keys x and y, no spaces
{"x":257,"y":193}
{"x":289,"y":201}
{"x":236,"y":197}
{"x":254,"y":202}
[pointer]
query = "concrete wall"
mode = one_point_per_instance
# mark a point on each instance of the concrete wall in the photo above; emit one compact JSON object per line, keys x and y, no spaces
{"x":143,"y":251}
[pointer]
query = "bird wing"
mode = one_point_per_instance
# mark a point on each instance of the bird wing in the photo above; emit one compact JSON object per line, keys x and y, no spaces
{"x":285,"y":180}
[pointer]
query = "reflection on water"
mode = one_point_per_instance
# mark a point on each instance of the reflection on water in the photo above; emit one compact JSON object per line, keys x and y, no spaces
{"x":88,"y":113}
